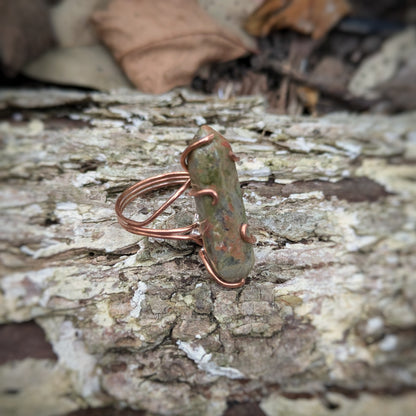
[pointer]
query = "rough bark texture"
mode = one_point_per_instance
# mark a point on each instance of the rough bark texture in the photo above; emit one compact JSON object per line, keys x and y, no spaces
{"x":326,"y":323}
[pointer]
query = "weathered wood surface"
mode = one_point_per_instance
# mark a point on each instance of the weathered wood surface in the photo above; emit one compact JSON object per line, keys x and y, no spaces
{"x":326,"y":323}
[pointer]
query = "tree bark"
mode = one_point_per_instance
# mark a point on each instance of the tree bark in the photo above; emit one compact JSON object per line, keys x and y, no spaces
{"x":326,"y":322}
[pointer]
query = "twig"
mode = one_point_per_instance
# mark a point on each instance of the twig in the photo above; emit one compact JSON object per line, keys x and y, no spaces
{"x":340,"y":94}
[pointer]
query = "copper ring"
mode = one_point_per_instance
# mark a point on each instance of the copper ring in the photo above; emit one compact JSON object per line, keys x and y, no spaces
{"x":181,"y":179}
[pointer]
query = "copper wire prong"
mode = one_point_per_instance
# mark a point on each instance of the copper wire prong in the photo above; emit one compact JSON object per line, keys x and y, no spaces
{"x":208,"y":192}
{"x":244,"y":234}
{"x":215,"y":275}
{"x":233,"y":156}
{"x":201,"y":142}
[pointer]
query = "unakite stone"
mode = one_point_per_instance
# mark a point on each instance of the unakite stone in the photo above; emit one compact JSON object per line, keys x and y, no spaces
{"x":211,"y":166}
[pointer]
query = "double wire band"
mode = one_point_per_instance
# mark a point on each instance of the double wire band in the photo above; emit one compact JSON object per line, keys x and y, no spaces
{"x":152,"y":184}
{"x":222,"y":230}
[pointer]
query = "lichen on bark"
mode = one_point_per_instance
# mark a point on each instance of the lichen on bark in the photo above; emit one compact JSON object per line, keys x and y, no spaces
{"x":327,"y":313}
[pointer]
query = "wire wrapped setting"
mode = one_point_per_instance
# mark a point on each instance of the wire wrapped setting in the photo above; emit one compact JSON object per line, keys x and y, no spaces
{"x":190,"y":232}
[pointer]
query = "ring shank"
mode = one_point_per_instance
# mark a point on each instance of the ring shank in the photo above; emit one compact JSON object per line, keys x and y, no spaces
{"x":149,"y":185}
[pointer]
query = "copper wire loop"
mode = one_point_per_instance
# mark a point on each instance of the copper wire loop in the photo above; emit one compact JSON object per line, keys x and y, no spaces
{"x":201,"y":142}
{"x":184,"y":233}
{"x":244,"y":234}
{"x":210,"y":192}
{"x":214,"y":274}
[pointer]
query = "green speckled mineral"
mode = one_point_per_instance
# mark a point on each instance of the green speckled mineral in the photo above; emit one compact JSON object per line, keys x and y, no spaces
{"x":211,"y":167}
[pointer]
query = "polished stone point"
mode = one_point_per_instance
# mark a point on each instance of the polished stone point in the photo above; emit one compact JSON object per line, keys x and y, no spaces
{"x":212,"y":168}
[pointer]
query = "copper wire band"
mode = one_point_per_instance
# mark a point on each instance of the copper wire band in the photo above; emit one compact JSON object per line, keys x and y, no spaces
{"x":150,"y":185}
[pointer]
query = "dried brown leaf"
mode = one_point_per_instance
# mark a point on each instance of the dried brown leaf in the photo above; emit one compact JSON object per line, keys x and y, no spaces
{"x":161,"y":44}
{"x":309,"y":97}
{"x":310,"y":17}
